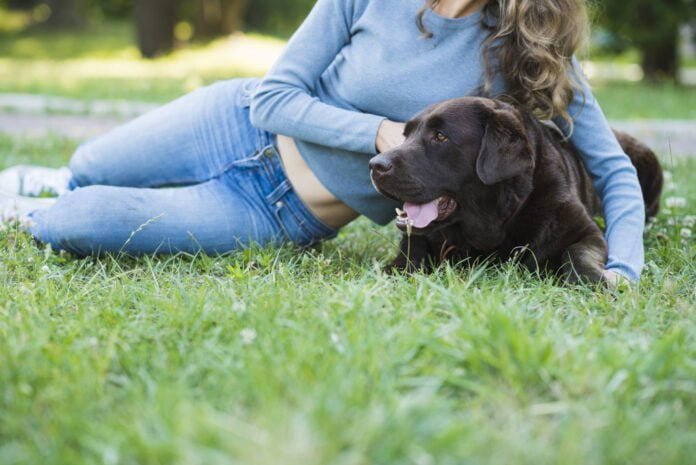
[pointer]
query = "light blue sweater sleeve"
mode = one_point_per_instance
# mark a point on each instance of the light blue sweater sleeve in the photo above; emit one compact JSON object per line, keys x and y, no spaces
{"x":285,"y":102}
{"x":614,"y":178}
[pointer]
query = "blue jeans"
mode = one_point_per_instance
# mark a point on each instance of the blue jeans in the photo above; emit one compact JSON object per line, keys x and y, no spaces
{"x":191,"y":176}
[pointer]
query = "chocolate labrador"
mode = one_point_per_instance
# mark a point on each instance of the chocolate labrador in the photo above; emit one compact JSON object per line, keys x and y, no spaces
{"x":481,"y":178}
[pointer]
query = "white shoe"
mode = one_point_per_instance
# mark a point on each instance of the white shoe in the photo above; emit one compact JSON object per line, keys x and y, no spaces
{"x":15,"y":209}
{"x":35,"y":181}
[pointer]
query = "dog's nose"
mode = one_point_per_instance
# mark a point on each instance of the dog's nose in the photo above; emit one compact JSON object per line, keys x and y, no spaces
{"x":380,"y":164}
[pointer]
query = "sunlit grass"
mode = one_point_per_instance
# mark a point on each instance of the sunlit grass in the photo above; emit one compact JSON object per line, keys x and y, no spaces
{"x":281,"y":357}
{"x":626,"y":101}
{"x":22,"y":37}
{"x":13,"y":22}
{"x":103,"y":62}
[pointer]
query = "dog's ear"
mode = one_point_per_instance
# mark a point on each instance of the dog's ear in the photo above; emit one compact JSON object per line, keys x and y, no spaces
{"x":506,"y":151}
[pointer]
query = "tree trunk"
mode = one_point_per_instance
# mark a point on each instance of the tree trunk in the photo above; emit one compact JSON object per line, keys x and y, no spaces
{"x":218,"y":17}
{"x":661,"y":60}
{"x":233,"y":15}
{"x":154,"y":24}
{"x":66,"y":13}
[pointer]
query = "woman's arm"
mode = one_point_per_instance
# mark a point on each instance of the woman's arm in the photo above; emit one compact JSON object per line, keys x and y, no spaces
{"x":614,"y":178}
{"x":284,"y":102}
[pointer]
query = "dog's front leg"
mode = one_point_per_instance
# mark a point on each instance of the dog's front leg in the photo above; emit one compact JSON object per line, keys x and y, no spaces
{"x":584,"y":260}
{"x":414,"y":254}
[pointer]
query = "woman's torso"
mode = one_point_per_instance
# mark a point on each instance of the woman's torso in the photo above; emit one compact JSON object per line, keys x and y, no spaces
{"x":325,"y":206}
{"x":386,"y":68}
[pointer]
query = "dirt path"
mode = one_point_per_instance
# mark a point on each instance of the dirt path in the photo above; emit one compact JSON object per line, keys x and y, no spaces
{"x":38,"y":116}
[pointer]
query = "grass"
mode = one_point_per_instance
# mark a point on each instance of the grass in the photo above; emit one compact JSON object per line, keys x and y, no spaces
{"x":632,"y":56}
{"x":635,"y":101}
{"x":274,"y":356}
{"x":102,"y":62}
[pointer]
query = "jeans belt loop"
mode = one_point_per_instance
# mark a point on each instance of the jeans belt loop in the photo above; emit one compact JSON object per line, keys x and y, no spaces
{"x":278,"y":193}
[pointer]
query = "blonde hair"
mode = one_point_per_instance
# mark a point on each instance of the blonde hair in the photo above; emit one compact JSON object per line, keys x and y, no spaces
{"x":531,"y":46}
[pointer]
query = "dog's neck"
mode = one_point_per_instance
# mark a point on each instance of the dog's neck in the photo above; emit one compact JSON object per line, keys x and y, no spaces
{"x":548,"y":192}
{"x":516,"y":226}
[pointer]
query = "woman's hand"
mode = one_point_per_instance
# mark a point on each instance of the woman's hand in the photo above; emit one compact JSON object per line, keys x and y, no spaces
{"x":615,"y":281}
{"x":389,"y":135}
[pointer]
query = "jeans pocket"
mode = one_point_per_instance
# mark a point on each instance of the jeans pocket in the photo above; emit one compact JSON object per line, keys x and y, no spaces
{"x":291,"y":225}
{"x":283,"y":204}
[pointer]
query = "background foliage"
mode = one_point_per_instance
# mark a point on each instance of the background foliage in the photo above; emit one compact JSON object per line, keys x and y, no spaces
{"x":650,"y":27}
{"x":280,"y":17}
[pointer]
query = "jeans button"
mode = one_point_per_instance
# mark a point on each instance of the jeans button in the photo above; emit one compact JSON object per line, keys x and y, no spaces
{"x":279,"y":204}
{"x":268,"y":153}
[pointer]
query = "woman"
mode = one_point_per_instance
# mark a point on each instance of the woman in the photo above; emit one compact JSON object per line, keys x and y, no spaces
{"x":349,"y":77}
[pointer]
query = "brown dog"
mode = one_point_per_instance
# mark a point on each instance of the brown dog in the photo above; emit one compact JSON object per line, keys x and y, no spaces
{"x":481,"y":178}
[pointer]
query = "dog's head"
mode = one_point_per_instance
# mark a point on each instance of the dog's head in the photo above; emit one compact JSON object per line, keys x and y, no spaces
{"x":467,"y":161}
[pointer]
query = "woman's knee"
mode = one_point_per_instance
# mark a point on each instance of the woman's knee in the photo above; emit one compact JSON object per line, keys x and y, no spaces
{"x":84,"y":165}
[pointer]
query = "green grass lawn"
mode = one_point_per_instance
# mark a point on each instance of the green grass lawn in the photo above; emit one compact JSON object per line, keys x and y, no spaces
{"x":102,"y":62}
{"x":279,"y":357}
{"x":274,"y":356}
{"x":634,"y":101}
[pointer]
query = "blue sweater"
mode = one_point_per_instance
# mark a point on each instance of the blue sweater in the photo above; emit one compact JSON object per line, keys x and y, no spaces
{"x":353,"y":63}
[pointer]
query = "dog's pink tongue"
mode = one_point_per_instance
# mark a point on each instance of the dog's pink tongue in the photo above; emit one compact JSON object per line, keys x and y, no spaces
{"x":422,"y":215}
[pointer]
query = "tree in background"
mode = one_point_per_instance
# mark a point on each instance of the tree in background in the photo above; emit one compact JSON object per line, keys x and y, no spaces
{"x":66,"y":13}
{"x":218,"y":17}
{"x":54,"y":13}
{"x":652,"y":26}
{"x":155,"y":20}
{"x":154,"y":26}
{"x":111,"y":8}
{"x":280,"y":17}
{"x":21,"y":4}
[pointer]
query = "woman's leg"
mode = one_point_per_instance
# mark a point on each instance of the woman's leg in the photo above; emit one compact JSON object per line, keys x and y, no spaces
{"x":214,"y":217}
{"x":188,"y":141}
{"x":253,"y":201}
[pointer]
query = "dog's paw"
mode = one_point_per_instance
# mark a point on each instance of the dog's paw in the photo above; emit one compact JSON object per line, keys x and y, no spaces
{"x":397,"y":267}
{"x":401,"y":265}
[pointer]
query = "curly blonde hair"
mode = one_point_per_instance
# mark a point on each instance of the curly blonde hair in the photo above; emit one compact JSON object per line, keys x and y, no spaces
{"x":531,"y":45}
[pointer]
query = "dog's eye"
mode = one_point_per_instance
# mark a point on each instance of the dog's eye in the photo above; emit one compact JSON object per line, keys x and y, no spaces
{"x":440,"y":137}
